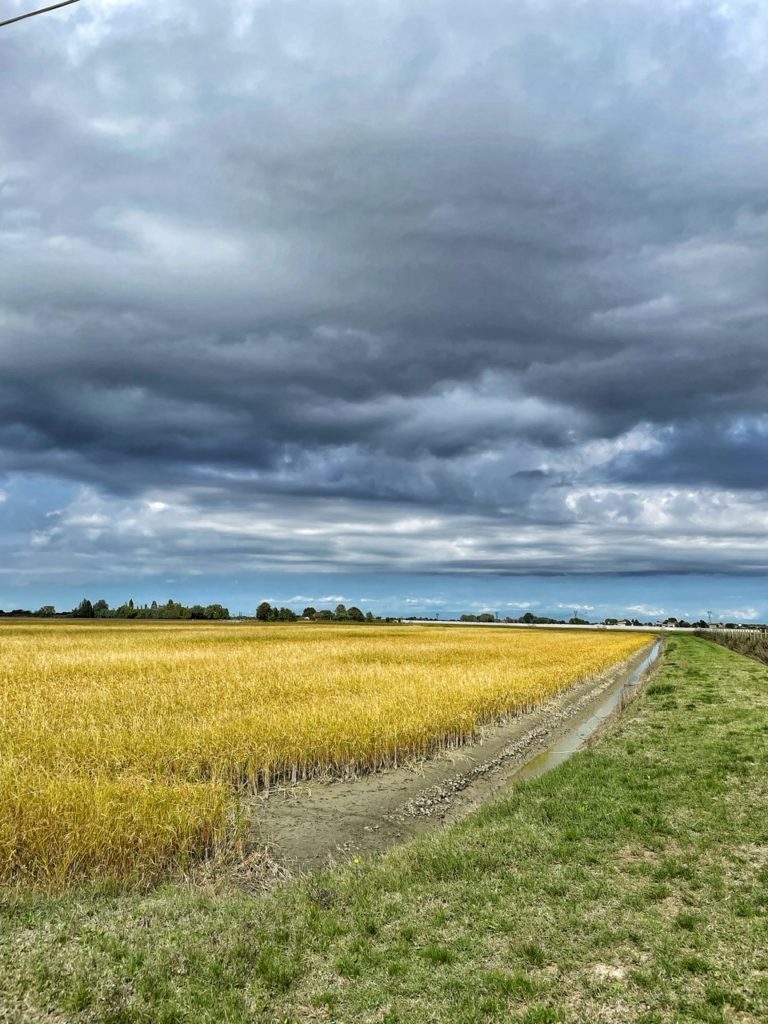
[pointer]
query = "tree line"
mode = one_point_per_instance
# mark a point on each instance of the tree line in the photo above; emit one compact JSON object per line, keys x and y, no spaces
{"x":170,"y":610}
{"x":543,"y":620}
{"x":267,"y":613}
{"x":101,"y":610}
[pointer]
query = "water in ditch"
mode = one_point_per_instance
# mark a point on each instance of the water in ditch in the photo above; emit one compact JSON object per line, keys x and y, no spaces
{"x":319,"y":824}
{"x":575,"y":738}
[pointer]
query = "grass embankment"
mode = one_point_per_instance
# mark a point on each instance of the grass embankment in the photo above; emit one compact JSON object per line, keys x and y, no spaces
{"x":628,"y":885}
{"x":753,"y":644}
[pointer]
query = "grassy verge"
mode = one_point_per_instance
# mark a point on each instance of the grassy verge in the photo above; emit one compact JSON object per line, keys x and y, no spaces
{"x":754,"y":645}
{"x":629,"y":885}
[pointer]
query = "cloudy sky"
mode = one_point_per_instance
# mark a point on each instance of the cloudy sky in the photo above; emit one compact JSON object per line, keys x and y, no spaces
{"x":438,"y":303}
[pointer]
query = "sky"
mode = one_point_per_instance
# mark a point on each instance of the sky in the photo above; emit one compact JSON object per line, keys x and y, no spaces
{"x":432,"y":305}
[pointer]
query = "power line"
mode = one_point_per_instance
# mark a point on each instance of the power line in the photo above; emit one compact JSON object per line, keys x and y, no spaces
{"x":43,"y":10}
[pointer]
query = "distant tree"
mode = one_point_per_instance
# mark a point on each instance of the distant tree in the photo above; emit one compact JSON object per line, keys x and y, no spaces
{"x":46,"y":612}
{"x":309,"y":613}
{"x":263,"y":612}
{"x":355,"y":614}
{"x":216,"y":611}
{"x":576,"y":621}
{"x":341,"y":612}
{"x":287,"y":615}
{"x":611,"y":622}
{"x":324,"y":615}
{"x":486,"y":617}
{"x":682,"y":624}
{"x":197,"y":612}
{"x":101,"y":609}
{"x":369,"y":617}
{"x":84,"y":610}
{"x":528,"y":617}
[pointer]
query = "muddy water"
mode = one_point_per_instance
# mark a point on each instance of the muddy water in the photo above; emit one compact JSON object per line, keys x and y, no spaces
{"x":583,"y":728}
{"x":311,"y":826}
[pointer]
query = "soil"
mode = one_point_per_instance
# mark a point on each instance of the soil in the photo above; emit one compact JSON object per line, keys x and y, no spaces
{"x":312,"y":826}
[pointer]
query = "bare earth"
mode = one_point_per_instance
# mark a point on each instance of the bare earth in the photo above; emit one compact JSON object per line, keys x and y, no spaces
{"x":312,"y":826}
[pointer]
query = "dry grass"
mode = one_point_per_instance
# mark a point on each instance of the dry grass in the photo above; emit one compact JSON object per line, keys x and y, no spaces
{"x":125,"y":745}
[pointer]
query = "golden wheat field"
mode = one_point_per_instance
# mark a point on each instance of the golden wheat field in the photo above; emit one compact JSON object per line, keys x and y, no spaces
{"x":127,"y":747}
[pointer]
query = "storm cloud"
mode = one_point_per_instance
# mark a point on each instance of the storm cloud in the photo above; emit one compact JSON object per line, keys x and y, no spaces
{"x":404,"y":285}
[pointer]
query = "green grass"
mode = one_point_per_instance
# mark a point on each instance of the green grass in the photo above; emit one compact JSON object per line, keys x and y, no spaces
{"x":629,"y":885}
{"x":755,"y":645}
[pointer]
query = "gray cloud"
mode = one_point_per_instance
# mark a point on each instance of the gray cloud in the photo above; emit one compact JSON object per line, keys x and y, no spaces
{"x":494,"y":268}
{"x":733,"y":452}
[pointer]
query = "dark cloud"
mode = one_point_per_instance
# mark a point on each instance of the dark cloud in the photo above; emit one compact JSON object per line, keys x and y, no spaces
{"x":496,"y":268}
{"x":730,"y":454}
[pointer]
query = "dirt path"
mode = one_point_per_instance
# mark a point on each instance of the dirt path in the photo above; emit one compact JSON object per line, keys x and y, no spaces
{"x":311,"y":826}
